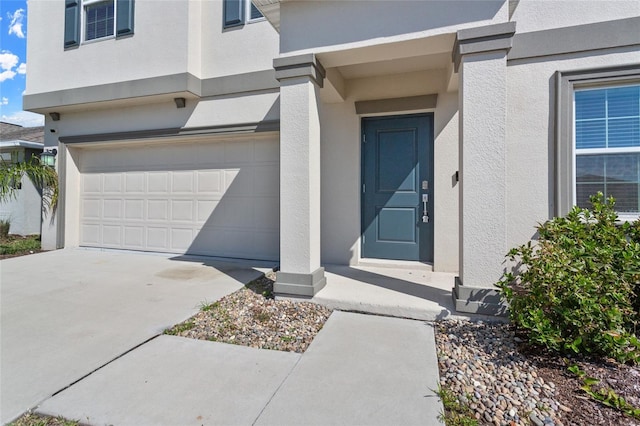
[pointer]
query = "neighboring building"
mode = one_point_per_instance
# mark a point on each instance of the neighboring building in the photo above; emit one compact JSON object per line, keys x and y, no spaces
{"x":334,"y":131}
{"x":24,"y":211}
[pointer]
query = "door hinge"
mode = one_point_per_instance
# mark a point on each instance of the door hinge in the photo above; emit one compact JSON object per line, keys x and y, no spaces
{"x":364,"y":138}
{"x":364,"y":188}
{"x":363,"y":239}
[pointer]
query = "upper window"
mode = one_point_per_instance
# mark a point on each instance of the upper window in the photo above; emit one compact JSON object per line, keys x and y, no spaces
{"x":99,"y":19}
{"x":253,"y":13}
{"x":607,"y":145}
{"x":96,"y":19}
{"x":239,"y":12}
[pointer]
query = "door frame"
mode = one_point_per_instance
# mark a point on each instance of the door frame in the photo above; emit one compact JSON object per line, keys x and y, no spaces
{"x":430,"y":116}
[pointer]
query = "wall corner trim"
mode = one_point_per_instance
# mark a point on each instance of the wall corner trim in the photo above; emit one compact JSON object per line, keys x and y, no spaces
{"x":579,"y":38}
{"x":306,"y":65}
{"x":483,"y":39}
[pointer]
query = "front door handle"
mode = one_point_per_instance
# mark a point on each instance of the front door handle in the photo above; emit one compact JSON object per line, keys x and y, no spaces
{"x":425,"y":210}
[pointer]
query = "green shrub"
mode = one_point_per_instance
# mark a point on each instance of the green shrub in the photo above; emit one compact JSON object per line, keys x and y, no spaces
{"x":4,"y":228}
{"x":576,"y":289}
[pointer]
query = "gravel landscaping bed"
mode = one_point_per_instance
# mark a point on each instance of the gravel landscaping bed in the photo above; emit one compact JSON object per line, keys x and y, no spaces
{"x":484,"y":365}
{"x":504,"y":382}
{"x":251,"y":317}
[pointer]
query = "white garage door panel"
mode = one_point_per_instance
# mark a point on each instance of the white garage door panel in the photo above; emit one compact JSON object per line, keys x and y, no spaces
{"x":215,"y":199}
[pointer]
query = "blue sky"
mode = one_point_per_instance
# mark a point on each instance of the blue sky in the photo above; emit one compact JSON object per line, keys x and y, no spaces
{"x":13,"y":64}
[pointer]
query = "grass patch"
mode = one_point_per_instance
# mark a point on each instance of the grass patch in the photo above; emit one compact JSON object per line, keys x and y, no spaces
{"x":455,"y":413}
{"x":206,"y":307}
{"x":31,"y":419}
{"x":15,"y":244}
{"x":176,"y":330}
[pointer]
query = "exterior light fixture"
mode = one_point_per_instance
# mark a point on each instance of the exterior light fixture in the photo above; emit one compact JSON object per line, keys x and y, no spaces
{"x":55,"y":116}
{"x":180,"y":102}
{"x":48,"y":158}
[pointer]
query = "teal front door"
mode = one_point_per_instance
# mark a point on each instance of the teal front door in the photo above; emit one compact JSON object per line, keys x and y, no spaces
{"x":397,"y":187}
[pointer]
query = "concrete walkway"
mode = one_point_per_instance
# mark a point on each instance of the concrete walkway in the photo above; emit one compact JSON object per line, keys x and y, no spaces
{"x":66,"y":313}
{"x":360,"y":370}
{"x":411,"y":291}
{"x":80,"y":338}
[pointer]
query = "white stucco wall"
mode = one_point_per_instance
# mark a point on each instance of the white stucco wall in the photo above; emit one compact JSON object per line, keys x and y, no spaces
{"x":333,"y":25}
{"x":24,"y":210}
{"x":195,"y":37}
{"x":530,"y":134}
{"x":536,"y":15}
{"x":158,"y":47}
{"x":236,"y":50}
{"x":170,"y":37}
{"x":340,"y":202}
{"x":445,"y":153}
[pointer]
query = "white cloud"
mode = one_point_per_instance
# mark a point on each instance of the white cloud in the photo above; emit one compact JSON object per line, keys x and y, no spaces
{"x":8,"y":60}
{"x":15,"y":26}
{"x":24,"y":118}
{"x":22,"y":69}
{"x":6,"y":75}
{"x":5,"y":101}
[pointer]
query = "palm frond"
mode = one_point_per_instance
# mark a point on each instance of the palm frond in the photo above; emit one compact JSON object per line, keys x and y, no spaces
{"x":44,"y":178}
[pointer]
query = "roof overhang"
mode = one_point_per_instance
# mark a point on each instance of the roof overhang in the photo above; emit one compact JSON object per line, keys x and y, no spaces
{"x":20,"y":144}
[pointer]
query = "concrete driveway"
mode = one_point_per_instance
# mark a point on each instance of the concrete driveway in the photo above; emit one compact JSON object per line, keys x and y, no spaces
{"x":68,"y":312}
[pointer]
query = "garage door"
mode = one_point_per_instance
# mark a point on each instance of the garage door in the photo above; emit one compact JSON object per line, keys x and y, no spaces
{"x":214,"y":198}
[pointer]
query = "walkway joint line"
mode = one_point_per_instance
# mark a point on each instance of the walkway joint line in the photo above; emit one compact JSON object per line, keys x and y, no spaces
{"x":104,"y":365}
{"x":277,"y":389}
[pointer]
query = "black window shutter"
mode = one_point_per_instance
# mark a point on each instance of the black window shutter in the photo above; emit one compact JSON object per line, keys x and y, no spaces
{"x":71,"y":23}
{"x":233,"y":13}
{"x":124,"y":18}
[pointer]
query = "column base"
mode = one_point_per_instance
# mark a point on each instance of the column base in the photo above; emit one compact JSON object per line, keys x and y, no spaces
{"x":478,"y":300}
{"x":299,"y":285}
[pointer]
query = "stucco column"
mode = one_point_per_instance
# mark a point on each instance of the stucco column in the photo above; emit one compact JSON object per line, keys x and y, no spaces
{"x":480,"y":57}
{"x":300,"y":273}
{"x":50,"y":237}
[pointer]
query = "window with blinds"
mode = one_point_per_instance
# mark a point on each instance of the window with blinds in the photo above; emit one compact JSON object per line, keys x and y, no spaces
{"x":99,"y":20}
{"x":607,"y":145}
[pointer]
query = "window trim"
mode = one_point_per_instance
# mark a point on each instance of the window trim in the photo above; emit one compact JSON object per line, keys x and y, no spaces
{"x":237,"y":14}
{"x":83,"y":21}
{"x":75,"y":21}
{"x":565,"y":156}
{"x":247,"y":13}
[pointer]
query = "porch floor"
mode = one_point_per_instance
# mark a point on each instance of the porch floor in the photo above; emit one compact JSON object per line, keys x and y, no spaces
{"x":393,"y":290}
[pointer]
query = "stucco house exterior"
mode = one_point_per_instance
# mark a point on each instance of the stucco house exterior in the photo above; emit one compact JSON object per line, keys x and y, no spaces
{"x":24,"y":210}
{"x":332,"y":132}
